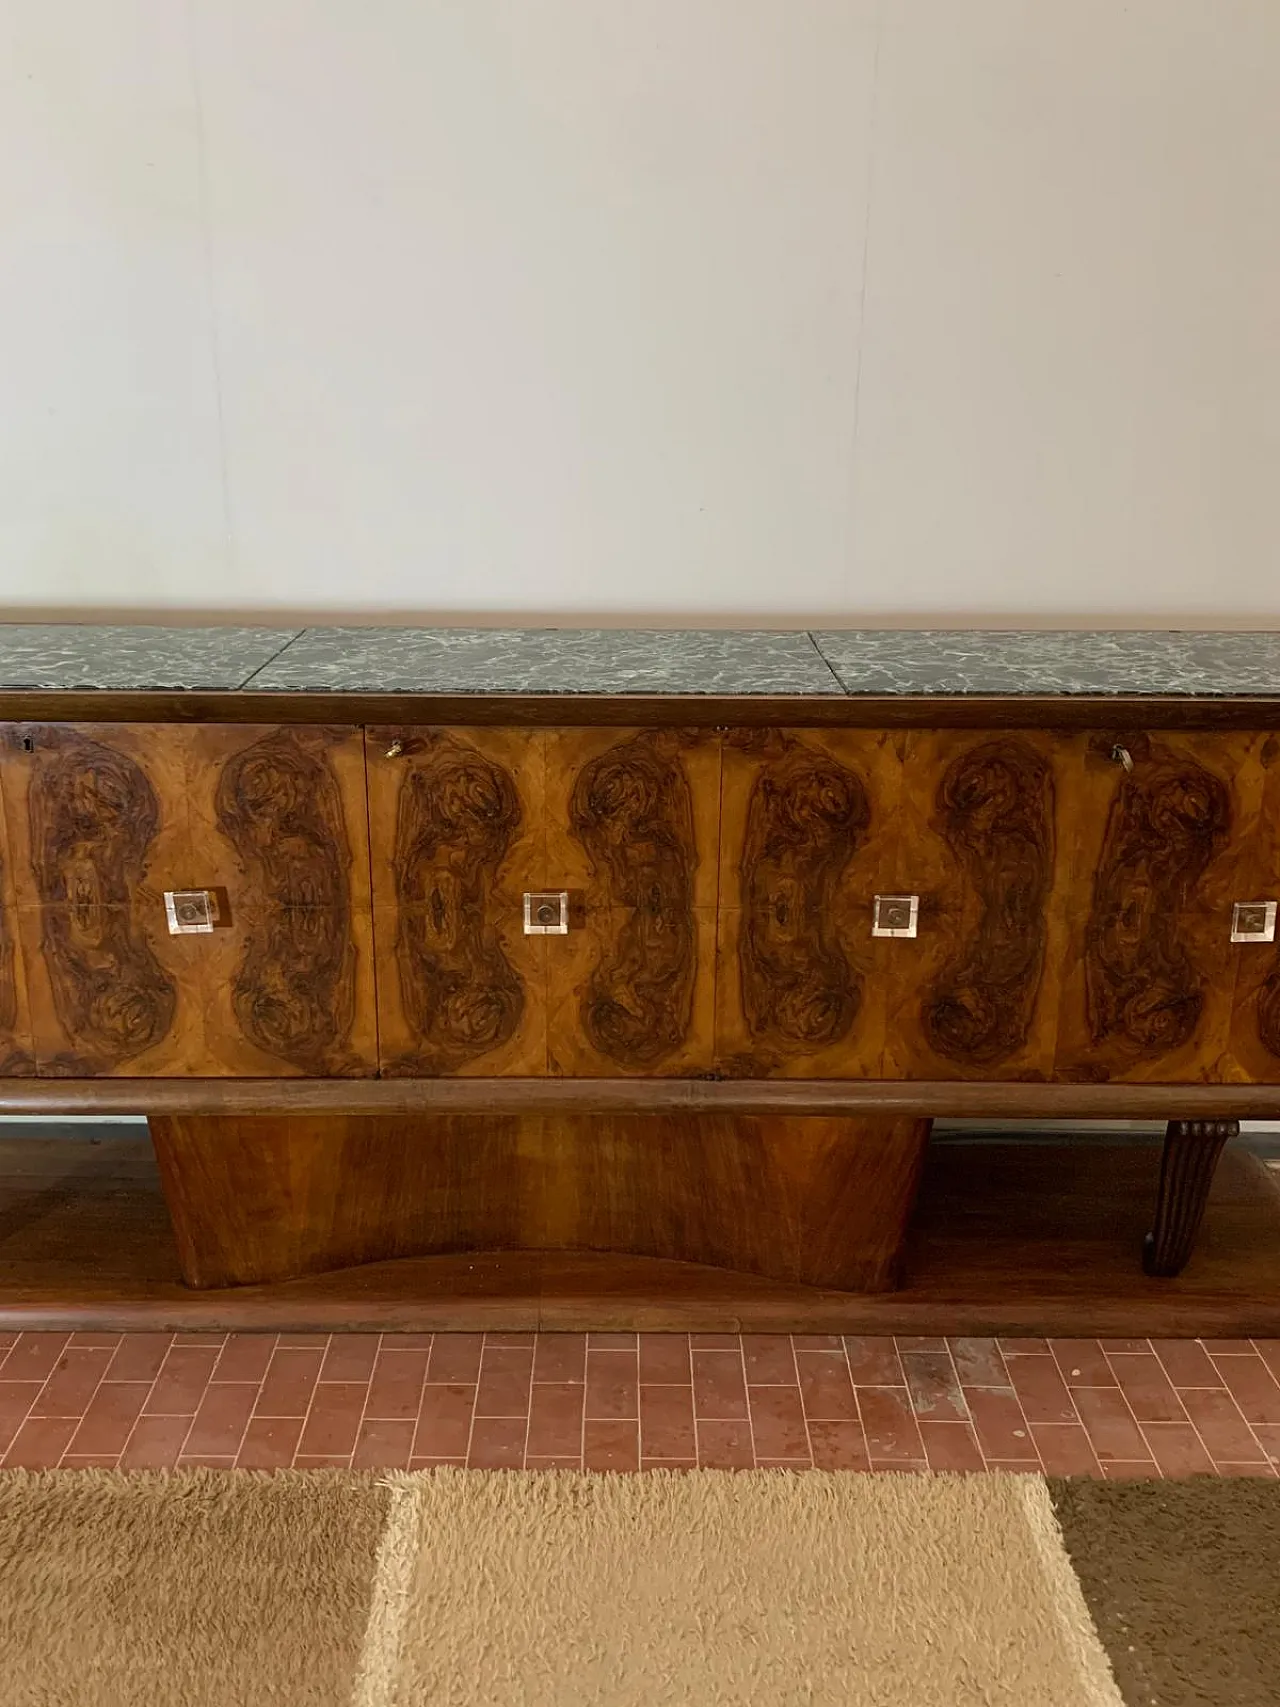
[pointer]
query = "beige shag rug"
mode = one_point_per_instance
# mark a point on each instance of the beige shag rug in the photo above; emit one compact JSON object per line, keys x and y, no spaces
{"x":762,"y":1589}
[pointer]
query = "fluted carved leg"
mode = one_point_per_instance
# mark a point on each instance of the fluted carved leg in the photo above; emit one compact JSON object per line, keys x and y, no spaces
{"x":1191,"y":1151}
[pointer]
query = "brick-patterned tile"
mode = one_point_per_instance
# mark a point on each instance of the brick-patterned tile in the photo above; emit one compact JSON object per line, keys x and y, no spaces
{"x":245,"y":1357}
{"x":109,"y":1418}
{"x":979,"y":1363}
{"x":1065,"y":1449}
{"x":1218,"y":1422}
{"x":383,"y":1445}
{"x":40,"y":1441}
{"x":610,"y":1444}
{"x":1252,"y":1385}
{"x":560,"y":1358}
{"x":873,"y":1362}
{"x":769,"y":1359}
{"x":826,"y":1388}
{"x":1002,"y":1430}
{"x":777,"y":1423}
{"x":534,"y":1463}
{"x":933,"y":1385}
{"x":839,"y":1446}
{"x":1186,"y":1363}
{"x":890,"y":1427}
{"x":395,"y":1390}
{"x":16,"y":1400}
{"x":666,"y":1421}
{"x":555,"y":1419}
{"x":337,"y":1408}
{"x":290,"y":1381}
{"x":155,"y":1443}
{"x":444,"y":1420}
{"x":269,"y":1443}
{"x":1105,"y":1413}
{"x":265,"y":1401}
{"x":1124,"y":1470}
{"x":209,"y":1460}
{"x":222,"y":1418}
{"x":1037,"y":1381}
{"x":505,"y":1376}
{"x":724,"y":1444}
{"x":351,"y":1357}
{"x":89,"y":1461}
{"x":1177,"y":1449}
{"x":613,"y":1382}
{"x":34,"y":1357}
{"x":665,"y":1357}
{"x":719,"y":1385}
{"x":950,"y":1445}
{"x":1083,"y":1363}
{"x":180,"y":1385}
{"x":140,"y":1357}
{"x":454,"y":1357}
{"x":1147,"y":1388}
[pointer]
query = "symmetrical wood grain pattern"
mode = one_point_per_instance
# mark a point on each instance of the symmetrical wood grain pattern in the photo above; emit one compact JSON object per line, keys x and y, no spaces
{"x":995,"y":811}
{"x":805,"y":819}
{"x":457,"y":835}
{"x":1187,"y":1167}
{"x":807,"y":834}
{"x":632,"y":835}
{"x":820,"y":1202}
{"x":279,"y":805}
{"x":93,"y":815}
{"x":273,"y":821}
{"x":1168,"y":820}
{"x":632,"y":811}
{"x":17,"y":1059}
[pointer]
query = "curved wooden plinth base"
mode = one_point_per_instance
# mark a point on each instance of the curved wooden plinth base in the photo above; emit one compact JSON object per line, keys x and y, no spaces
{"x":822,"y":1202}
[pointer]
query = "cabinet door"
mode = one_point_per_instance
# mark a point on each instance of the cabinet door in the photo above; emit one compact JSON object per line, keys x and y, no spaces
{"x":1252,"y":875}
{"x":975,"y":993}
{"x":458,"y":834}
{"x":104,"y":819}
{"x":1162,"y":825}
{"x":633,"y":838}
{"x":17,"y":1048}
{"x":809,"y":829}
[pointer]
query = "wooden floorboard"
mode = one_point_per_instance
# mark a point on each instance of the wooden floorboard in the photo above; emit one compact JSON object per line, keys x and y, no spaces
{"x":1026,"y":1237}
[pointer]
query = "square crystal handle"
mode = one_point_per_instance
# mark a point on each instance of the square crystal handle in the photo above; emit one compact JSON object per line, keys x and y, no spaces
{"x":190,"y":911}
{"x":546,"y":913}
{"x":1253,"y":921}
{"x":895,"y":915}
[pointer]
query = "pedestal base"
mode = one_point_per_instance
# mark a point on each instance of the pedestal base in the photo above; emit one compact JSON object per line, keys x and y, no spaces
{"x":814,"y":1200}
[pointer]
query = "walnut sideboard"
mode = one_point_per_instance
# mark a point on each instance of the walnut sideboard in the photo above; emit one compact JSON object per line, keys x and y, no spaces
{"x":667,"y":943}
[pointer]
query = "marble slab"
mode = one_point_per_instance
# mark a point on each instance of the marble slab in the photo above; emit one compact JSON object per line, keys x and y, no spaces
{"x":549,"y":660}
{"x":978,"y":661}
{"x":70,"y":656}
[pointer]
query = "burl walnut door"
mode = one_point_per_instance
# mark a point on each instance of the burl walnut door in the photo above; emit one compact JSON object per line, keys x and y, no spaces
{"x":466,"y":822}
{"x":17,"y":1046}
{"x":981,"y":844}
{"x":809,"y":829}
{"x":1167,"y":832}
{"x":633,"y":820}
{"x":458,"y":834}
{"x":104,"y":819}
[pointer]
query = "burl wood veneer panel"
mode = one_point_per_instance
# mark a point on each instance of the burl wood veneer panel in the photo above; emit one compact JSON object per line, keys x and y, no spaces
{"x":458,"y":833}
{"x":809,"y":829}
{"x":1254,"y":875}
{"x":105,"y":818}
{"x":976,"y":994}
{"x":17,"y":1049}
{"x":1157,"y":851}
{"x":812,"y":1200}
{"x":633,"y":836}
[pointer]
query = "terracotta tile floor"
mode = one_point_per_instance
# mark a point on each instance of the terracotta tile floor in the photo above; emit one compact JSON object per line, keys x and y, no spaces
{"x":621,"y":1401}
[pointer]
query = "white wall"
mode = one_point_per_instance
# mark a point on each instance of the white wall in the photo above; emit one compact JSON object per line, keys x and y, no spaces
{"x":802,"y":309}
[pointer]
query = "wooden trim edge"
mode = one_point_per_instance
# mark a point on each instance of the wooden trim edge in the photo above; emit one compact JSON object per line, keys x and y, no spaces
{"x":923,"y":1098}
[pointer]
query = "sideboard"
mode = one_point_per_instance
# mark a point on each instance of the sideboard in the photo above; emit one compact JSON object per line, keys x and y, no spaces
{"x":670,"y":943}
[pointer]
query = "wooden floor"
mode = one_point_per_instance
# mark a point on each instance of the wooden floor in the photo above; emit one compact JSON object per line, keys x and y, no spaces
{"x":1026,"y":1237}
